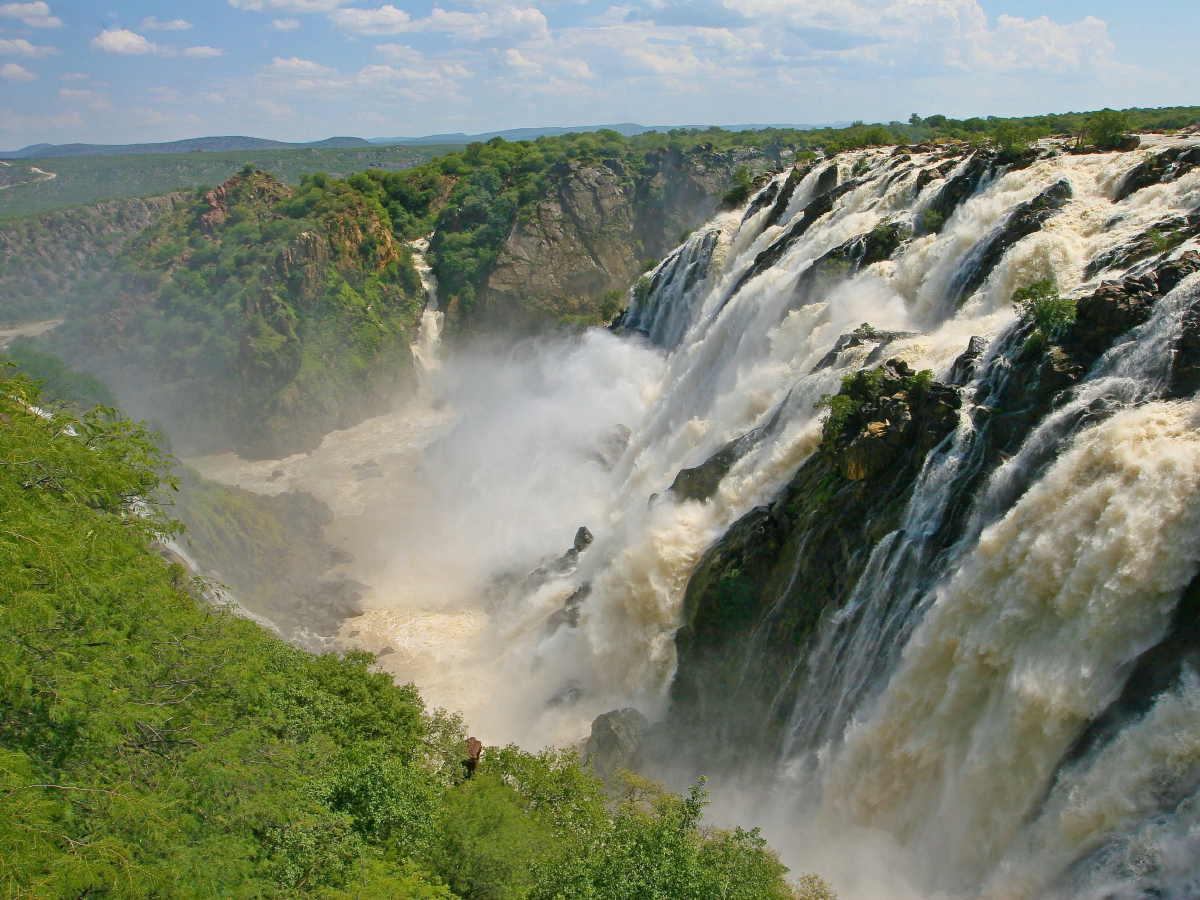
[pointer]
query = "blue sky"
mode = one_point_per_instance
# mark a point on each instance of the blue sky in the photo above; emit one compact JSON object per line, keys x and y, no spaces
{"x":120,"y":72}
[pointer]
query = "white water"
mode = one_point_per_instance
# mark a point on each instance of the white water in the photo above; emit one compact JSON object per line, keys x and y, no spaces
{"x":429,"y":332}
{"x":500,"y":458}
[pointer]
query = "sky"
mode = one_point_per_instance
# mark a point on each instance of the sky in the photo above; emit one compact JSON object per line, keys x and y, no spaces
{"x":298,"y":70}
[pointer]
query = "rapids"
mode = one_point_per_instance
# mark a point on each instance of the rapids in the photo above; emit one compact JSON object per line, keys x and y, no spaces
{"x":925,"y":755}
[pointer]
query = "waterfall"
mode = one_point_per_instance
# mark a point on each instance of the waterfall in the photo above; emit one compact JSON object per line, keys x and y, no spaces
{"x":937,"y":703}
{"x":429,"y":332}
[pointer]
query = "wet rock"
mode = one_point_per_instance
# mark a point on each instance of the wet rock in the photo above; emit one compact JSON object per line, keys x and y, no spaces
{"x":368,"y":469}
{"x":1025,"y":220}
{"x":583,"y":539}
{"x":1157,"y":240}
{"x":819,"y":206}
{"x":965,"y":366}
{"x":894,"y":412}
{"x":1116,"y":306}
{"x":612,"y":446}
{"x":700,"y":482}
{"x":568,"y":696}
{"x":762,"y":200}
{"x":569,"y":614}
{"x":962,"y":185}
{"x":857,"y":338}
{"x":848,"y":258}
{"x":1160,"y":168}
{"x":1128,"y":142}
{"x":614,"y":742}
{"x":557,"y":568}
{"x":794,"y":178}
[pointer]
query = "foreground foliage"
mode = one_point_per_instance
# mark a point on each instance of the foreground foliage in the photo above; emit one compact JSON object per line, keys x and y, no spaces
{"x":153,"y":746}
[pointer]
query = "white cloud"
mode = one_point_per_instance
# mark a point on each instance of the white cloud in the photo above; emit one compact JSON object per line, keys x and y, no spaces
{"x":91,"y":99}
{"x":285,"y":24}
{"x":385,"y":20}
{"x":513,"y":59}
{"x":400,"y":53}
{"x":150,"y":23}
{"x":22,"y":47}
{"x":13,"y":72}
{"x":202,"y":52}
{"x":576,"y":68}
{"x":510,"y":23}
{"x":122,"y":42}
{"x":296,"y":66}
{"x":288,"y":6}
{"x":35,"y":15}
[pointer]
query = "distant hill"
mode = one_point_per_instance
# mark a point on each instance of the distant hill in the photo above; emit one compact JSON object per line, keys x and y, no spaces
{"x":629,"y":129}
{"x":235,"y":143}
{"x":194,"y":145}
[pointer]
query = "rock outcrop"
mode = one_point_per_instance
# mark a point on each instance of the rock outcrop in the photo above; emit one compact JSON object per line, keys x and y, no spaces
{"x":595,"y":227}
{"x":755,"y":600}
{"x":895,"y":413}
{"x":615,"y":740}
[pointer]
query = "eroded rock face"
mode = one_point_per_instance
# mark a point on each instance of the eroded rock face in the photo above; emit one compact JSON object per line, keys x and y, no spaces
{"x":302,"y":266}
{"x":592,"y":231}
{"x":905,"y":413}
{"x":1025,"y":220}
{"x":1117,"y":306}
{"x":1162,"y":167}
{"x":615,"y":739}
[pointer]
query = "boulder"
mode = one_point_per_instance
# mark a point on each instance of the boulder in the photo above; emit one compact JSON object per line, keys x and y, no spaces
{"x":965,"y":366}
{"x":614,"y":741}
{"x":894,"y":413}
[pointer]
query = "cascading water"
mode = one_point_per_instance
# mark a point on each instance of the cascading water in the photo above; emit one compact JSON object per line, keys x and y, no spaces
{"x":429,"y":332}
{"x":935,"y":705}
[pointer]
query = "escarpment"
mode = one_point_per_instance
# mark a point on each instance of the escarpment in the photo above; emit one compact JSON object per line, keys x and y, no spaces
{"x":255,"y":316}
{"x":594,"y":228}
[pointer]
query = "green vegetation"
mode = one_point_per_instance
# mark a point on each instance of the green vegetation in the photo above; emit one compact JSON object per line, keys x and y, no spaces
{"x":859,"y":389}
{"x":930,"y":221}
{"x":152,"y":746}
{"x":739,"y":190}
{"x":80,"y":390}
{"x":1104,"y":129}
{"x":45,"y":259}
{"x":1039,"y":305}
{"x":93,"y":178}
{"x":255,"y":314}
{"x":1013,"y":140}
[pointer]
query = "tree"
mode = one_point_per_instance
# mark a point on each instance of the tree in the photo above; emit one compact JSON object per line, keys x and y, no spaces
{"x":1105,"y":129}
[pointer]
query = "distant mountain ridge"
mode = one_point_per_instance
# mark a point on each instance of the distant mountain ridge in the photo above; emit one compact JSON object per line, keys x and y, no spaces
{"x":239,"y":142}
{"x":192,"y":145}
{"x":628,"y":129}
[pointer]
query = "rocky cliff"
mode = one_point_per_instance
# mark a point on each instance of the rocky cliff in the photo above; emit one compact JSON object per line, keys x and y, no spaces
{"x":258,"y":317}
{"x":749,"y":637}
{"x":44,"y":258}
{"x":594,"y":230}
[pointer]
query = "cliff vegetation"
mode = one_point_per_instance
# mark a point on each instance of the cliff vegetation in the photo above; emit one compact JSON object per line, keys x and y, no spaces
{"x":154,"y":746}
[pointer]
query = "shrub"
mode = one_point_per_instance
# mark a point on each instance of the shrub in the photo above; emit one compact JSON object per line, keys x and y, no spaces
{"x":1039,"y":304}
{"x":930,"y":221}
{"x":739,"y":190}
{"x":641,"y":290}
{"x":1012,"y":139}
{"x":610,"y":306}
{"x":866,"y":331}
{"x":1104,"y":129}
